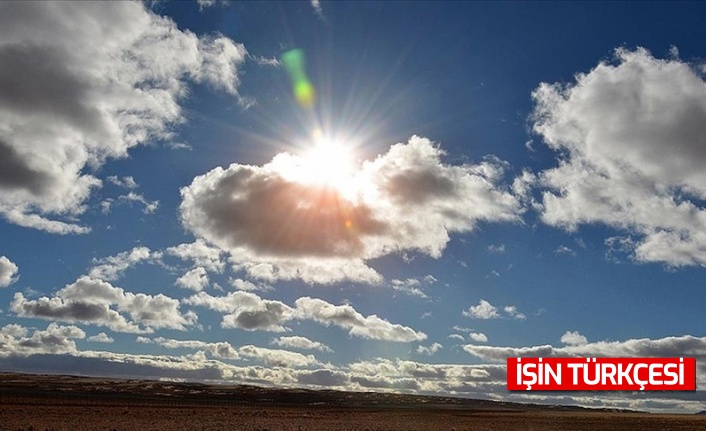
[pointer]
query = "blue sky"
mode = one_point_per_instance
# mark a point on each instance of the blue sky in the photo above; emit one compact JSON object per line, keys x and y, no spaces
{"x":474,"y":180}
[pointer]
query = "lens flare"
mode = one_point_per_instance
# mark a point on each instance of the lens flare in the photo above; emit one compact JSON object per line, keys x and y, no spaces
{"x":302,"y":87}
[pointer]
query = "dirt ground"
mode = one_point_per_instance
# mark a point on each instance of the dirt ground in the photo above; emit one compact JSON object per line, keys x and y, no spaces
{"x":132,"y":418}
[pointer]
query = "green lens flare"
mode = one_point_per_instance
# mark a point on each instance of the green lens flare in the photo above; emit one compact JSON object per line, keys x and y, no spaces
{"x":303,"y":89}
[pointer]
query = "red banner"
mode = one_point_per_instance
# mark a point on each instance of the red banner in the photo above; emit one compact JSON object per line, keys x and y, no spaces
{"x":601,"y":374}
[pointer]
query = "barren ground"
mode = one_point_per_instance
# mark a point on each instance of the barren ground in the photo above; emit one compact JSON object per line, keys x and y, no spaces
{"x":65,"y":403}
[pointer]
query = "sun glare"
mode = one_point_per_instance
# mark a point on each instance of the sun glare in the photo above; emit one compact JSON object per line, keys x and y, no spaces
{"x":328,"y":162}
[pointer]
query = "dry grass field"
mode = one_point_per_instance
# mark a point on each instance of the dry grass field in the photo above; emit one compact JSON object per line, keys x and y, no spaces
{"x":64,"y":403}
{"x":135,"y":418}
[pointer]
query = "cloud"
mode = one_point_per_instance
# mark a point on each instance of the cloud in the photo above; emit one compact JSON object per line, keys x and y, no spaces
{"x":497,"y":249}
{"x":478,"y":337}
{"x":221,"y":350}
{"x":200,"y":253}
{"x":149,"y":206}
{"x":246,"y":310}
{"x":196,"y":279}
{"x":458,"y":337}
{"x":91,"y":301}
{"x":69,"y":104}
{"x":125,"y":182}
{"x":668,"y":347}
{"x":630,"y":134}
{"x":429,"y":350}
{"x":573,"y":338}
{"x":412,"y":286}
{"x":246,"y":285}
{"x":111,"y":268}
{"x":276,"y":224}
{"x":100,"y":338}
{"x":347,"y":317}
{"x":8,"y":272}
{"x":316,"y":5}
{"x":485,"y":310}
{"x":302,"y":343}
{"x":55,"y":339}
{"x":278,"y":358}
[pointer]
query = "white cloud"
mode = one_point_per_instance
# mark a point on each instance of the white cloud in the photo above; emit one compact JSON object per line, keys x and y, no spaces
{"x":573,"y":338}
{"x":630,"y":134}
{"x":412,"y":286}
{"x":124,"y":182}
{"x":458,"y":337}
{"x":478,"y":337}
{"x":246,"y":285}
{"x":562,"y":249}
{"x":246,"y":310}
{"x":55,"y":339}
{"x":200,"y":253}
{"x":277,"y":225}
{"x":302,"y":343}
{"x":485,"y":310}
{"x":111,"y":268}
{"x":91,"y":301}
{"x":196,"y":279}
{"x":149,"y":207}
{"x":8,"y":272}
{"x":221,"y":350}
{"x":429,"y":350}
{"x":69,"y":103}
{"x":512,"y":312}
{"x":316,"y":5}
{"x":278,"y":358}
{"x":669,"y":347}
{"x":100,"y":338}
{"x":497,"y":249}
{"x":347,"y":317}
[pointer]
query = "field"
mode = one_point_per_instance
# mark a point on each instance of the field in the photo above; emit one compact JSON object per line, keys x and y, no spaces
{"x":42,"y":403}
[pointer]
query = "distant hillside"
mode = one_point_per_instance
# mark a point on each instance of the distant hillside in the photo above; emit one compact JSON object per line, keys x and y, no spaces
{"x":62,"y":389}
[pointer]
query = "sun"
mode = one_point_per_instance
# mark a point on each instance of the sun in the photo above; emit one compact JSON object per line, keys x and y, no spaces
{"x":327,"y":162}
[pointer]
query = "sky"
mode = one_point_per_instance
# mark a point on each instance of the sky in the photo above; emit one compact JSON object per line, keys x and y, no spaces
{"x":436,"y":187}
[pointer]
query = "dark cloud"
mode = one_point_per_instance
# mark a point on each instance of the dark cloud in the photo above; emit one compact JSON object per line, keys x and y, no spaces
{"x":16,"y":172}
{"x":278,"y":224}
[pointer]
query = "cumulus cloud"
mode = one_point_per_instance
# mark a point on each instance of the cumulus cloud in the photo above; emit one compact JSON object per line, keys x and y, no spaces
{"x":97,"y":302}
{"x":111,"y":268}
{"x":630,"y":134}
{"x":196,"y":279}
{"x":8,"y":272}
{"x":302,"y":343}
{"x":485,"y":310}
{"x":668,"y":347}
{"x":277,"y":357}
{"x":68,"y":104}
{"x":55,"y":339}
{"x":573,"y":338}
{"x":277,"y":225}
{"x":200,"y":253}
{"x":101,"y":338}
{"x":478,"y":337}
{"x":246,"y":310}
{"x":429,"y":350}
{"x":220,"y":350}
{"x":347,"y":317}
